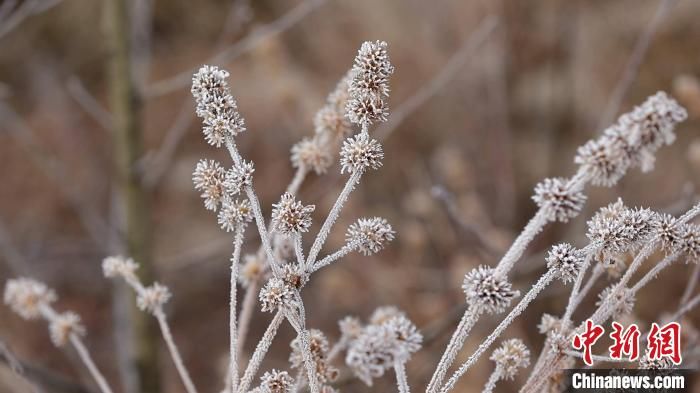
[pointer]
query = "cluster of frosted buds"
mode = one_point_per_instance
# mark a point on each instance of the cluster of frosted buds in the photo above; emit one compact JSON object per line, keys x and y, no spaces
{"x":276,"y":294}
{"x":350,"y":328}
{"x":62,"y":326}
{"x":370,"y":235}
{"x":559,"y":199}
{"x":151,"y":299}
{"x":378,"y":346}
{"x":234,"y":213}
{"x":632,"y":141}
{"x":275,"y":382}
{"x":689,"y":243}
{"x":27,"y":297}
{"x":549,"y":323}
{"x":293,"y":276}
{"x":616,"y":229}
{"x":239,"y":177}
{"x":117,"y":266}
{"x":290,"y":216}
{"x":208,"y":177}
{"x":383,"y":314}
{"x":215,"y":105}
{"x":252,"y":269}
{"x":566,"y":261}
{"x":360,"y":152}
{"x":370,"y":84}
{"x":486,"y":291}
{"x":623,"y":300}
{"x":511,"y":356}
{"x":318,"y":344}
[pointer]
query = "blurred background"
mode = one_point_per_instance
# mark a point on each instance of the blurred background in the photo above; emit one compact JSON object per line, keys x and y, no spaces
{"x":488,"y":98}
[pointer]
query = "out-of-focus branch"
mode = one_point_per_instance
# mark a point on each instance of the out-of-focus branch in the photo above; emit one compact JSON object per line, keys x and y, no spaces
{"x":10,"y":17}
{"x":87,"y":101}
{"x":632,"y":68}
{"x":438,"y":82}
{"x":39,"y":378}
{"x":53,"y":169}
{"x":241,"y":47}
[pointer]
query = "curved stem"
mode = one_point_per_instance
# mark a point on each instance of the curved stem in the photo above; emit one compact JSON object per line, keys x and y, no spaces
{"x":174,"y":353}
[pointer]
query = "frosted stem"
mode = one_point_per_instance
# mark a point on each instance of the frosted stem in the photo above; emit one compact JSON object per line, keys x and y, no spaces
{"x":651,"y":274}
{"x":524,"y":302}
{"x":571,"y":306}
{"x":401,"y":378}
{"x":233,"y":347}
{"x":491,"y":383}
{"x":595,"y":275}
{"x":332,"y":217}
{"x":260,"y":351}
{"x":246,"y":315}
{"x":89,"y":363}
{"x":345,"y":250}
{"x":262,"y":230}
{"x":295,"y":184}
{"x":692,"y":283}
{"x":174,"y":353}
{"x":516,"y":250}
{"x":456,"y":343}
{"x":298,"y":250}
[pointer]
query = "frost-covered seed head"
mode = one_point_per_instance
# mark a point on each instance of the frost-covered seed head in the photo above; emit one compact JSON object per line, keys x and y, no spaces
{"x":216,"y":106}
{"x":63,"y":325}
{"x":233,"y":213}
{"x":331,"y":121}
{"x":318,"y":347}
{"x":290,"y":216}
{"x":382,"y":314}
{"x":511,"y":356}
{"x":276,"y":294}
{"x":566,"y":261}
{"x":27,"y":297}
{"x":153,"y":298}
{"x":208,"y":177}
{"x":370,"y":355}
{"x":293,"y":277}
{"x":118,"y":266}
{"x":371,"y":234}
{"x":239,"y":177}
{"x":689,"y":241}
{"x":616,"y":230}
{"x":350,"y":328}
{"x":669,"y":232}
{"x":276,"y":382}
{"x":310,"y":153}
{"x":359,"y":153}
{"x":604,"y":160}
{"x":369,"y":84}
{"x":548,"y":323}
{"x":487,"y":292}
{"x":252,"y":270}
{"x":623,"y":301}
{"x":408,"y":339}
{"x":560,"y":202}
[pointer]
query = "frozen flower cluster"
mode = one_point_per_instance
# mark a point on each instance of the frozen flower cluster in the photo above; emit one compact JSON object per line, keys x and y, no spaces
{"x":370,"y":234}
{"x":370,"y":84}
{"x":511,"y":356}
{"x":488,"y":292}
{"x":216,"y":106}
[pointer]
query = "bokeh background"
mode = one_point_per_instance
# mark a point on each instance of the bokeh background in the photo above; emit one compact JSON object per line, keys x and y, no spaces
{"x":493,"y":96}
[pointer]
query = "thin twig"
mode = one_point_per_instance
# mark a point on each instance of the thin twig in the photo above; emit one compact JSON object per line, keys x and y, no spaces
{"x":174,"y":352}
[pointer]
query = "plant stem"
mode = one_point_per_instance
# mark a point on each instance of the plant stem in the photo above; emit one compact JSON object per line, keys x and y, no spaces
{"x":233,"y":348}
{"x":260,"y":351}
{"x":174,"y":353}
{"x":89,"y":363}
{"x":401,"y":378}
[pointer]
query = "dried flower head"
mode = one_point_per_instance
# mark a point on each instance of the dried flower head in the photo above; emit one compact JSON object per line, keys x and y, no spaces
{"x":370,"y":234}
{"x":565,"y":260}
{"x":617,"y":229}
{"x":371,"y":353}
{"x":276,"y":294}
{"x":408,"y":338}
{"x":486,"y":291}
{"x":239,"y":177}
{"x":359,"y":153}
{"x":511,"y":356}
{"x":216,"y":106}
{"x":330,"y":120}
{"x":318,"y":347}
{"x":689,"y":241}
{"x":369,"y":84}
{"x":252,"y":269}
{"x":559,"y":200}
{"x":310,"y":153}
{"x":290,"y":216}
{"x":118,"y":266}
{"x":669,"y":232}
{"x":233,"y":213}
{"x":152,"y":298}
{"x":62,"y":326}
{"x":622,"y":300}
{"x":604,"y":160}
{"x":276,"y":382}
{"x":549,"y":323}
{"x":26,"y":296}
{"x":350,"y":328}
{"x":208,"y":177}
